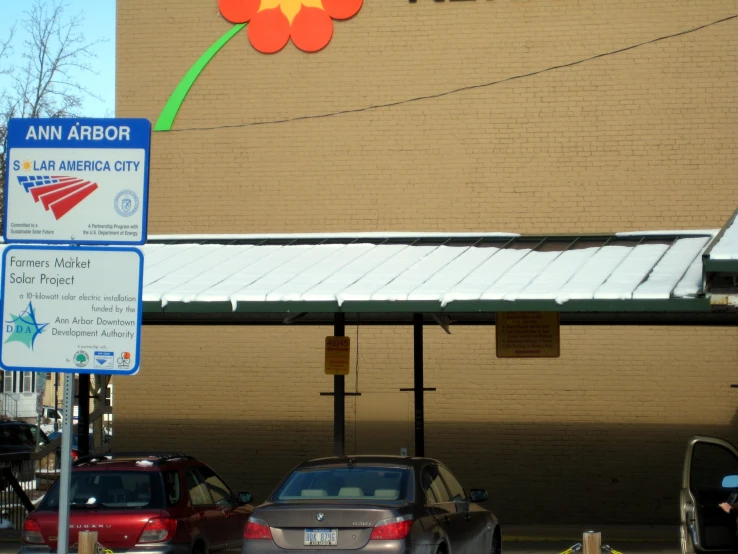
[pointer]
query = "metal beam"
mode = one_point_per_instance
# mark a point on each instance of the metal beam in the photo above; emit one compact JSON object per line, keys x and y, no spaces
{"x":722,"y":317}
{"x":339,"y":394}
{"x":418,"y":385}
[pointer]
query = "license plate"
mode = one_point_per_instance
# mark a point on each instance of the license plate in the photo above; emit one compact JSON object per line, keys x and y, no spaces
{"x":321,"y":537}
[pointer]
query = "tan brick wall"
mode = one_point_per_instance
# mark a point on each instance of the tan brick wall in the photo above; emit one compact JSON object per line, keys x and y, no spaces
{"x":642,"y":139}
{"x":595,"y":436}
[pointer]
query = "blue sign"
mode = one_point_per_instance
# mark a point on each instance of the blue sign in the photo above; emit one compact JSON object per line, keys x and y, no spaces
{"x":77,"y":181}
{"x":71,"y":309}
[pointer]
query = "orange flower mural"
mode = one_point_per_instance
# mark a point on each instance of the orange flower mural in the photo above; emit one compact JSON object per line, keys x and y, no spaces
{"x":272,"y":23}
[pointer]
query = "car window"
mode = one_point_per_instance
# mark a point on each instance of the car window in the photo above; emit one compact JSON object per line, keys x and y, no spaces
{"x":219,"y":491}
{"x":357,"y":483}
{"x":710,"y":463}
{"x":172,"y":487}
{"x":453,"y":486}
{"x":39,"y":436}
{"x":197,"y":489}
{"x":111,"y":490}
{"x":433,"y":485}
{"x":17,"y":434}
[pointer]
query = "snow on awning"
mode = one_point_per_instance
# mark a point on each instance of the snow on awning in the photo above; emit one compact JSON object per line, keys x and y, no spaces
{"x":430,"y":273}
{"x":720,"y":267}
{"x":722,"y":253}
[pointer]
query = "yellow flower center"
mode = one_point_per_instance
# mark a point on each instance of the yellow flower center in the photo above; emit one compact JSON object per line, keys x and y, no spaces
{"x":290,"y":8}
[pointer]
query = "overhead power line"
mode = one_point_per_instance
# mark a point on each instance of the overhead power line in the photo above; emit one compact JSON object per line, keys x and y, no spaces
{"x":460,"y":89}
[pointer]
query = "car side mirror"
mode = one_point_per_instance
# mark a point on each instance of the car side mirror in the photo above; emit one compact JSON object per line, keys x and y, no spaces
{"x":730,"y":482}
{"x":478,"y":495}
{"x":245,"y":498}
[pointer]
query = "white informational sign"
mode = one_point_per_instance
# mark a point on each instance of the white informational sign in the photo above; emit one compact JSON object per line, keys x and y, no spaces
{"x":71,"y":309}
{"x":77,"y":181}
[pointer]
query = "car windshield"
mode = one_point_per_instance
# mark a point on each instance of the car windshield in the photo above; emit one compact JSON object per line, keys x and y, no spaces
{"x":17,"y":435}
{"x":110,"y":490}
{"x":348,"y":483}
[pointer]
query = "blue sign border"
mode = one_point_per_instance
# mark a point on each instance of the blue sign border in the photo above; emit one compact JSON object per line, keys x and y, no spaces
{"x":139,"y":315}
{"x":141,"y":139}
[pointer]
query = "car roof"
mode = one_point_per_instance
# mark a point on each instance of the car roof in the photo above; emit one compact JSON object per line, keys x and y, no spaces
{"x":138,"y":462}
{"x":13,"y":422}
{"x":368,"y":459}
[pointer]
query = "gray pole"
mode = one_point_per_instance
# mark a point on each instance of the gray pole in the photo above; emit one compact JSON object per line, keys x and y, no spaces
{"x":66,"y":465}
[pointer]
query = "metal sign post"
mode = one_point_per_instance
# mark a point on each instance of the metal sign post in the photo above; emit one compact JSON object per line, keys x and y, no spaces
{"x":66,"y":465}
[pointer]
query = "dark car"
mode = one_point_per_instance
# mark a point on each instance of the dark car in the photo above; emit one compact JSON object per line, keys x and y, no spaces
{"x":18,"y":437}
{"x":372,"y":504}
{"x":75,"y":441}
{"x":157,"y":504}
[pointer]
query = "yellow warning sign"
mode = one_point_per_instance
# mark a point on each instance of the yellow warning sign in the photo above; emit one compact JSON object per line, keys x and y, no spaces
{"x":337,"y":355}
{"x":528,"y":335}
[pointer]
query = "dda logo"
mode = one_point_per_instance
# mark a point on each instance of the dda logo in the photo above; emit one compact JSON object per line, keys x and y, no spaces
{"x":24,"y":328}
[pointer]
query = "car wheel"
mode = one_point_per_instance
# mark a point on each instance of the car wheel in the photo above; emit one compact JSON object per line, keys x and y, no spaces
{"x":199,"y":548}
{"x":441,"y":549}
{"x":496,"y":543}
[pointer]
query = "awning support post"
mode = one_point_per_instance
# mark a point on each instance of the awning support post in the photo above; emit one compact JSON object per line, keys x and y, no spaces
{"x":339,"y":394}
{"x":418,"y":385}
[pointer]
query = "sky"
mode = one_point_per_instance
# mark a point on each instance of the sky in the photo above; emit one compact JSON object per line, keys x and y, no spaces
{"x":98,"y":23}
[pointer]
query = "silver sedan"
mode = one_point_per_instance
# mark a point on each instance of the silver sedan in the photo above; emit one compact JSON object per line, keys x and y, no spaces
{"x":388,"y":504}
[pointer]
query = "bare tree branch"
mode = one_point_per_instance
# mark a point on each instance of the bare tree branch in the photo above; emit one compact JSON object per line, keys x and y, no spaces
{"x":46,"y":84}
{"x":5,"y":50}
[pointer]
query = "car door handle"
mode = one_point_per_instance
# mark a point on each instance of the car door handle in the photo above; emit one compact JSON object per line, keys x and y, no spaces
{"x":467,"y":517}
{"x":201,"y":515}
{"x":446,"y":520}
{"x":226,"y":513}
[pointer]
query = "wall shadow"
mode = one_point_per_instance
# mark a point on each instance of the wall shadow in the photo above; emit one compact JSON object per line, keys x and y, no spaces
{"x":585,"y":473}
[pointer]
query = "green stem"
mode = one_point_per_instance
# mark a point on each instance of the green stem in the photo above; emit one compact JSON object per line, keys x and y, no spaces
{"x":169,"y":113}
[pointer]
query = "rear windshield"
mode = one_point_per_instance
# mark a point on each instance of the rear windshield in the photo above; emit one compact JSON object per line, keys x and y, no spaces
{"x":17,"y":435}
{"x":344,"y":483}
{"x":112,"y":490}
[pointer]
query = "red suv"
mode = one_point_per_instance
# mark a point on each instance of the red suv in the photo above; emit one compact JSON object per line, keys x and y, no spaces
{"x":163,"y":504}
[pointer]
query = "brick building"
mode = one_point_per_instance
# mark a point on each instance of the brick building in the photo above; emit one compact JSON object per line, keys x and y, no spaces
{"x":476,"y":116}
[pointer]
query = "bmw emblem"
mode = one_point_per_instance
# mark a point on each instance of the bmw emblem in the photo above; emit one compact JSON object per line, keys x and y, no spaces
{"x":319,"y":516}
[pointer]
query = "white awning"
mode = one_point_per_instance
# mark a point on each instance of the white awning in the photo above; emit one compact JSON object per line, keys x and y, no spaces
{"x":649,"y":277}
{"x":430,"y":273}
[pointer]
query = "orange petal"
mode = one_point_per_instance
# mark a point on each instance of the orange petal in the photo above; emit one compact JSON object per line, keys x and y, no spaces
{"x":238,"y":11}
{"x":312,"y":29}
{"x":342,"y":9}
{"x":269,"y":31}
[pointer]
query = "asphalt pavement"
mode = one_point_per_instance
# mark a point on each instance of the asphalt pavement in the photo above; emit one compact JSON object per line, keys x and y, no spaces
{"x":536,"y":547}
{"x":546,"y":547}
{"x":550,"y":539}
